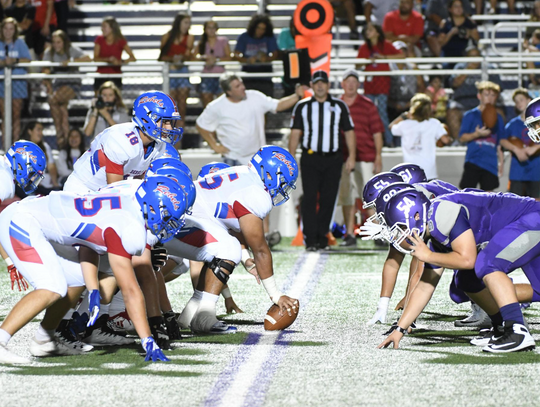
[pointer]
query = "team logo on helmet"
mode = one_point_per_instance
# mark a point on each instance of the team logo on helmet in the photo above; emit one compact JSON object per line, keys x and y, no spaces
{"x":167,"y":192}
{"x":152,"y":99}
{"x":23,"y":151}
{"x":283,"y":159}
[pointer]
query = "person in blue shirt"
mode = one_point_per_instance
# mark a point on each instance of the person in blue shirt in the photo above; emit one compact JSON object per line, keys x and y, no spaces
{"x":525,"y":167}
{"x":484,"y":159}
{"x":13,"y":50}
{"x":256,"y":49}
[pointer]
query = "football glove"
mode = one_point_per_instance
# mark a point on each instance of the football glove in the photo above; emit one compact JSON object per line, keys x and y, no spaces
{"x":153,"y":352}
{"x":93,"y":307}
{"x":16,"y":277}
{"x":379,"y":316}
{"x":159,"y":257}
{"x":173,"y":329}
{"x":371,"y":231}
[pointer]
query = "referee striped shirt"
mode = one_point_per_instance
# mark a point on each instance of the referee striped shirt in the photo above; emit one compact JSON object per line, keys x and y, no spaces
{"x":321,"y":123}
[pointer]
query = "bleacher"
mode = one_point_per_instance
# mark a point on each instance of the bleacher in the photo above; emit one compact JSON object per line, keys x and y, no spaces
{"x":144,"y":24}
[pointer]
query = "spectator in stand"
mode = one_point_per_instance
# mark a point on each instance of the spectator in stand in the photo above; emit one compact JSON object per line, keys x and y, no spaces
{"x":525,"y":166}
{"x":108,"y":48}
{"x":465,"y":96}
{"x":457,"y":31}
{"x":33,"y":131}
{"x":233,"y":124}
{"x":24,"y":13}
{"x":405,"y":24}
{"x":368,"y":129}
{"x":256,"y":49}
{"x":534,"y":18}
{"x":436,"y":15}
{"x":286,"y":36}
{"x":44,"y":24}
{"x":211,"y":49}
{"x":12,"y":51}
{"x":533,"y":48}
{"x":61,"y":8}
{"x":419,"y":134}
{"x":69,"y":154}
{"x":176,"y":48}
{"x":439,"y":98}
{"x":403,"y":87}
{"x":349,"y":9}
{"x":377,"y":88}
{"x":61,"y":91}
{"x":375,"y":10}
{"x":484,"y":159}
{"x":107,"y":110}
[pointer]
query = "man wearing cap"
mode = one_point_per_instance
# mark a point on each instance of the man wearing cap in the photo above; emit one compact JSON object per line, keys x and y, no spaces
{"x":316,"y":125}
{"x":368,"y":129}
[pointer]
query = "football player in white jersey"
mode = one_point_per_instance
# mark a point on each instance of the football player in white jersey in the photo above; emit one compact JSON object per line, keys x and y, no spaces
{"x":112,"y":221}
{"x":23,"y":164}
{"x":234,"y":200}
{"x":121,"y":151}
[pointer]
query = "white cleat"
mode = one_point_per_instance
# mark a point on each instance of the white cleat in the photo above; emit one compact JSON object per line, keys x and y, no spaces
{"x":478,"y":319}
{"x":122,"y":322}
{"x":221,"y":328}
{"x":43,"y":349}
{"x":10,"y":358}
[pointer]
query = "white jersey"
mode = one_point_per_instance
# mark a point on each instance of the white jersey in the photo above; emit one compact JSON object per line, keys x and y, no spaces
{"x":7,"y":186}
{"x":118,"y":150}
{"x":231,"y":193}
{"x":104,"y":221}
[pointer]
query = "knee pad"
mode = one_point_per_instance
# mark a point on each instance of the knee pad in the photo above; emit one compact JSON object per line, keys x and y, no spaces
{"x":217,"y":265}
{"x":467,"y":281}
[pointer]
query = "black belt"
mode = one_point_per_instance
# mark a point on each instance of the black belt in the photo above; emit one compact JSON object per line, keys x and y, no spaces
{"x":323,"y":154}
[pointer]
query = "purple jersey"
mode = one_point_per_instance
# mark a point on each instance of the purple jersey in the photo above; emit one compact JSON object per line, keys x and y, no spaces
{"x":484,"y":213}
{"x":435,"y":188}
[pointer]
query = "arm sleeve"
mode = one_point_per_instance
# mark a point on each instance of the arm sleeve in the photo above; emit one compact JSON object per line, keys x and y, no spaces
{"x":397,"y":129}
{"x":114,"y":243}
{"x":500,"y":128}
{"x":256,"y":202}
{"x":466,"y":124}
{"x":439,"y":129}
{"x":241,"y":43}
{"x":117,"y":152}
{"x":297,"y":122}
{"x":508,"y":130}
{"x":386,"y":25}
{"x":76,"y":52}
{"x":267,"y":103}
{"x":418,"y":25}
{"x":209,"y":118}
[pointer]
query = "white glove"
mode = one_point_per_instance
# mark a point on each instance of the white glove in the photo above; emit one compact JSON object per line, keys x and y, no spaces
{"x":379,"y":316}
{"x":371,"y":231}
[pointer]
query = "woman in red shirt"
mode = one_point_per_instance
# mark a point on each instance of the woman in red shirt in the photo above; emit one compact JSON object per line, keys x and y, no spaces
{"x":177,"y":47}
{"x":108,"y":48}
{"x":377,"y":88}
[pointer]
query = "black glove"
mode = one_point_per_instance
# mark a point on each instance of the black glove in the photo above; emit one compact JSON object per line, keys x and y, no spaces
{"x":159,"y":257}
{"x":173,"y":329}
{"x":157,"y":327}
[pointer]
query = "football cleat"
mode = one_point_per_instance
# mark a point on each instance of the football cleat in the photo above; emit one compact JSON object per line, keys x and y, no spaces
{"x":477,"y":319}
{"x":488,"y":336}
{"x":159,"y":332}
{"x":348,"y":241}
{"x":516,"y":338}
{"x":10,"y":358}
{"x":43,"y":349}
{"x":122,"y":322}
{"x":103,"y":334}
{"x":173,"y":330}
{"x":67,"y":339}
{"x":221,"y":328}
{"x":273,"y":238}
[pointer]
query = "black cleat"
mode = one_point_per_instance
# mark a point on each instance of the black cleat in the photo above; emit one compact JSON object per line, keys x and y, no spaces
{"x":516,"y":338}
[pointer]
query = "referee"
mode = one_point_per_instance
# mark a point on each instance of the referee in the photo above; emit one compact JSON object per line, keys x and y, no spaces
{"x":316,"y":125}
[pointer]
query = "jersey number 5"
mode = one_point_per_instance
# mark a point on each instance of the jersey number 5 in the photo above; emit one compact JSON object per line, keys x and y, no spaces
{"x":216,"y":181}
{"x":89,"y":207}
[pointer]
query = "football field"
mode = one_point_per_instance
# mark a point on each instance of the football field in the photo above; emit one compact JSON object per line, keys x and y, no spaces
{"x":327,"y":358}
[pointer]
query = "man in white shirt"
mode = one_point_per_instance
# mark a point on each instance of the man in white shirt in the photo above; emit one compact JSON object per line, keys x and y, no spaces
{"x":233,"y":124}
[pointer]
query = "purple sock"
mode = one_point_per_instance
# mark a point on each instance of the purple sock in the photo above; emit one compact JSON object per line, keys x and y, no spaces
{"x":496,"y":319}
{"x":512,"y":312}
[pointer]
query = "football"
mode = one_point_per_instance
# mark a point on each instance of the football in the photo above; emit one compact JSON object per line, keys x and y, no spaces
{"x":516,"y":142}
{"x":439,"y":141}
{"x":273,"y":321}
{"x":489,"y":116}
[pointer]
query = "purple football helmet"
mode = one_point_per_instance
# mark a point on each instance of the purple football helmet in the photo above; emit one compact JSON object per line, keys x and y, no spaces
{"x":405,"y":213}
{"x":411,"y":173}
{"x":532,"y":119}
{"x":384,"y":196}
{"x":376,"y":184}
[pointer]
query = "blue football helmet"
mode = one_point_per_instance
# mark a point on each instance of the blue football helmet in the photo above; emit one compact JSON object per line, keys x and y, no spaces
{"x":151,"y":110}
{"x":532,"y":119}
{"x":182,"y":179}
{"x":210,"y":168}
{"x":278,"y":171}
{"x":169,"y":162}
{"x":28,"y":164}
{"x":411,"y":173}
{"x":404,"y":213}
{"x":375,"y":185}
{"x":163,"y":205}
{"x":170,"y":152}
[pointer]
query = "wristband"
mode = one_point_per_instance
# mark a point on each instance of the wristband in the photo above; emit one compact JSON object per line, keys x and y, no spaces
{"x":400,"y":329}
{"x":269,"y":285}
{"x":8,"y":261}
{"x":226,"y":293}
